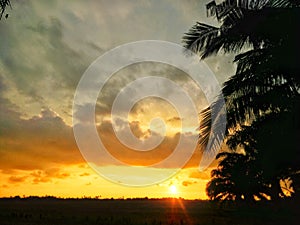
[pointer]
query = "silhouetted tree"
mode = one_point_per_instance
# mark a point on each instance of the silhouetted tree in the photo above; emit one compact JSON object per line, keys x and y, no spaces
{"x":265,"y":87}
{"x":237,"y":177}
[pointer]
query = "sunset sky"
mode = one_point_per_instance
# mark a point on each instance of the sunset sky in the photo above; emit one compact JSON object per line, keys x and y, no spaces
{"x":45,"y":47}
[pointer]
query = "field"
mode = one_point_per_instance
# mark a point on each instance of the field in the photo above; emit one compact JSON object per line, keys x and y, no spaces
{"x":142,"y":211}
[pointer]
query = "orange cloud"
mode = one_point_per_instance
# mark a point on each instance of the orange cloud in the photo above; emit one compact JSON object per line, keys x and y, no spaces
{"x":47,"y":175}
{"x":17,"y":179}
{"x":137,"y":131}
{"x":37,"y":143}
{"x":174,"y":119}
{"x":188,"y":183}
{"x":144,"y":158}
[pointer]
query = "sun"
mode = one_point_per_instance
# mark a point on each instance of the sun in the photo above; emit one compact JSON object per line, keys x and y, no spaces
{"x":173,"y":189}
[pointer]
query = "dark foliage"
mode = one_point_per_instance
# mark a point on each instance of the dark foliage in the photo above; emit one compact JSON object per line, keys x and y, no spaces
{"x":3,"y":5}
{"x":262,"y":97}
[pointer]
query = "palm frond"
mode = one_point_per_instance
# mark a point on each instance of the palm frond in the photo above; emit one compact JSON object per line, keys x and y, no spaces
{"x":213,"y":127}
{"x":199,"y":36}
{"x":283,"y":3}
{"x":237,"y":177}
{"x":3,"y":5}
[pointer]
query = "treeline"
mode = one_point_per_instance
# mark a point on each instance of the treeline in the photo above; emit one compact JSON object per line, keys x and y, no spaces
{"x":86,"y":198}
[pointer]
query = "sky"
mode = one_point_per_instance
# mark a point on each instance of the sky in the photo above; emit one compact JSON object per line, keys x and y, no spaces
{"x":45,"y":48}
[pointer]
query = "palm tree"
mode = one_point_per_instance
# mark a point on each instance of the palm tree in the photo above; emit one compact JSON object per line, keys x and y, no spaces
{"x":266,"y":82}
{"x":250,"y":92}
{"x":271,"y":141}
{"x":237,"y":177}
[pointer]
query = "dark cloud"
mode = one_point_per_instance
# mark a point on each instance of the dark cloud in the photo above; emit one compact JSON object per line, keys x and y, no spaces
{"x":35,"y":143}
{"x":17,"y":179}
{"x":188,"y":183}
{"x":174,"y":119}
{"x":41,"y":53}
{"x":47,"y":175}
{"x":41,"y":68}
{"x":81,"y":113}
{"x":137,"y":131}
{"x":135,"y":71}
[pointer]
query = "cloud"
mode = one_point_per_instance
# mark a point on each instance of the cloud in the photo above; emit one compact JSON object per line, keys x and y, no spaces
{"x":174,"y":119}
{"x":37,"y":143}
{"x":17,"y":179}
{"x":41,"y":69}
{"x":146,"y":158}
{"x":46,"y":47}
{"x":137,"y":131}
{"x":37,"y":176}
{"x":59,"y":40}
{"x":45,"y":141}
{"x":188,"y":183}
{"x":44,"y":176}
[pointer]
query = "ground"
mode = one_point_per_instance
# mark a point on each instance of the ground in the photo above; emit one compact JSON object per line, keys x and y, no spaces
{"x":142,"y":211}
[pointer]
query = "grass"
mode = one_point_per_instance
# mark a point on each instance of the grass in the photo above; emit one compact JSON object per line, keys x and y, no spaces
{"x":42,"y":211}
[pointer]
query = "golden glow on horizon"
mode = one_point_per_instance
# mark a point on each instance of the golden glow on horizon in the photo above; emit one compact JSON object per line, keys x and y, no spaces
{"x":80,"y":180}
